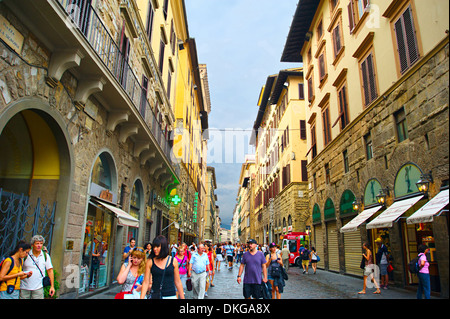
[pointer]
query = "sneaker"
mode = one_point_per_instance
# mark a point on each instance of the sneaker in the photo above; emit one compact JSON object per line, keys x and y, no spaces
{"x":206,"y":294}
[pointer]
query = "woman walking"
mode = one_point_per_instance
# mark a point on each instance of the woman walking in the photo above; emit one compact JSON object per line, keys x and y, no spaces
{"x":368,"y":269}
{"x":162,"y":276}
{"x":424,"y":273}
{"x":313,"y":258}
{"x":131,"y":273}
{"x":183,"y":261}
{"x":274,"y":261}
{"x":11,"y":272}
{"x":219,"y":256}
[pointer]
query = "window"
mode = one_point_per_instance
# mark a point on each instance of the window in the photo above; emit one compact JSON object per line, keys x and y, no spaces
{"x":408,"y":52}
{"x":304,"y":171}
{"x":310,"y":89}
{"x":319,"y":30}
{"x":343,"y":108}
{"x":165,"y":8}
{"x":149,"y":25}
{"x":301,"y":92}
{"x":162,"y":47}
{"x":346,"y":165}
{"x":400,"y":121}
{"x":322,"y":69}
{"x":356,"y":10}
{"x":327,"y":173}
{"x":326,"y":125}
{"x":337,"y":42}
{"x":302,"y":129}
{"x":369,"y":147}
{"x":313,"y":141}
{"x":369,"y":80}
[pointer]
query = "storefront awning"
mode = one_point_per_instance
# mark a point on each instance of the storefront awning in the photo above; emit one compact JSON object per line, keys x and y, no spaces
{"x":358,"y":220}
{"x":434,"y":206}
{"x":386,"y":218}
{"x":125,"y":219}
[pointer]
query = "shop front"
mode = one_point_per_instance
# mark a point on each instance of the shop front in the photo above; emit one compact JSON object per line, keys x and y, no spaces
{"x":318,"y":235}
{"x":332,"y":236}
{"x":402,"y":228}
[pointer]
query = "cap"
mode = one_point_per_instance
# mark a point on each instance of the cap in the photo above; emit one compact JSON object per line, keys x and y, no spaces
{"x":272,"y":245}
{"x":378,"y":240}
{"x":251,"y":241}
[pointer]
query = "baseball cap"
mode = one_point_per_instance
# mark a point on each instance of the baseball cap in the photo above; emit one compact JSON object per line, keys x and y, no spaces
{"x":251,"y":241}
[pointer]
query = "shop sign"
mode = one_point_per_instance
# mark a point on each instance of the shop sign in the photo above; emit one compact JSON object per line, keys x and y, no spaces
{"x":10,"y":35}
{"x":195,"y":207}
{"x":373,"y":188}
{"x":405,"y":181}
{"x":106,"y":195}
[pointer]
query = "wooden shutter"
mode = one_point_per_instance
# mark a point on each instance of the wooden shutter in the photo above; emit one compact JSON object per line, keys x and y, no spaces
{"x":304,"y":171}
{"x":321,"y":66}
{"x":301,"y":93}
{"x":337,"y":40}
{"x":351,"y":16}
{"x":310,"y":89}
{"x":302,"y":129}
{"x":406,"y":40}
{"x":368,"y":75}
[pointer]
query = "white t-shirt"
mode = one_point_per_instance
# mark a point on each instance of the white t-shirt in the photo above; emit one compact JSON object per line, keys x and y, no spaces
{"x":35,"y":281}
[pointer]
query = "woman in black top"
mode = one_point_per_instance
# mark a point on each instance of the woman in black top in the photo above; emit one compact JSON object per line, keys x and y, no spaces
{"x":160,"y":265}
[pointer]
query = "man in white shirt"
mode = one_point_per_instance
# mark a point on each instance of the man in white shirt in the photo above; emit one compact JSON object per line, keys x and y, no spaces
{"x":38,"y":262}
{"x":197,"y":268}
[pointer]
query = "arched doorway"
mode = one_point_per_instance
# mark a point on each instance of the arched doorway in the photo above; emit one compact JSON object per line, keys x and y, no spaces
{"x":35,"y":175}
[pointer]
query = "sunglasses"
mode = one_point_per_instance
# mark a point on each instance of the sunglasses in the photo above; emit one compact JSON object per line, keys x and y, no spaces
{"x":139,"y":249}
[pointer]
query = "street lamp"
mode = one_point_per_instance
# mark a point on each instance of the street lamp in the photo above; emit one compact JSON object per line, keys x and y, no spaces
{"x":381,"y":197}
{"x":424,"y":182}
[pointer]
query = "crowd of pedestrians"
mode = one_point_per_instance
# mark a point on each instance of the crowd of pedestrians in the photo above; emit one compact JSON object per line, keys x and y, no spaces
{"x":159,"y":270}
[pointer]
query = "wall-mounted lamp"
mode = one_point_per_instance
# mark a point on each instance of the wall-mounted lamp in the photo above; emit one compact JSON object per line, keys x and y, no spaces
{"x":423,"y":184}
{"x":308,"y":36}
{"x":382,"y":195}
{"x":357,"y":203}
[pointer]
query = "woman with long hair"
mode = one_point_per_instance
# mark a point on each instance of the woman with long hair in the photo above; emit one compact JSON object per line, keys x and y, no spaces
{"x":11,"y":272}
{"x":131,"y":273}
{"x":162,"y":276}
{"x":273,"y":260}
{"x":368,"y":269}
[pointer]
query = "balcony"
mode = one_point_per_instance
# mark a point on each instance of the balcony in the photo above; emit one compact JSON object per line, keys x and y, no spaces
{"x":79,"y":41}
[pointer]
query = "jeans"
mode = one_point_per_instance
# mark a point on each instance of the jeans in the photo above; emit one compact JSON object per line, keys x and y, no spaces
{"x":424,"y":286}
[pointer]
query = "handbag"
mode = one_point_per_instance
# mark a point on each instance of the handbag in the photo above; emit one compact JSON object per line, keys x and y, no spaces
{"x":122,"y":294}
{"x":363,"y":263}
{"x":45,"y":279}
{"x":189,"y":284}
{"x":158,"y":294}
{"x":390,"y":268}
{"x":318,"y":258}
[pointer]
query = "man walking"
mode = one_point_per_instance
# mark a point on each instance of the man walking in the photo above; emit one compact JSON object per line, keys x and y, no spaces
{"x":255,"y":268}
{"x":197,"y":268}
{"x":285,"y":257}
{"x":38,"y":262}
{"x":229,"y":250}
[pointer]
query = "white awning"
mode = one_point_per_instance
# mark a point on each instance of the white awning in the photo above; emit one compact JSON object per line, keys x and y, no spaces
{"x":358,"y":220}
{"x":434,"y":206}
{"x":125,"y":219}
{"x":386,"y":218}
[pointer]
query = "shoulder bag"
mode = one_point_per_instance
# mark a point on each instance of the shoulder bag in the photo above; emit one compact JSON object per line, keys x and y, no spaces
{"x":121,"y":295}
{"x":45,"y":279}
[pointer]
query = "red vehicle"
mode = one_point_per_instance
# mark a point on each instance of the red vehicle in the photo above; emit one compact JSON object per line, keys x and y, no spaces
{"x":293,"y":241}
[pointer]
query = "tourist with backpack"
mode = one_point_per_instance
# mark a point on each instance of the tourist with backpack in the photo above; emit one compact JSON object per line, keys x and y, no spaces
{"x":424,"y":273}
{"x":11,"y":272}
{"x":304,"y":255}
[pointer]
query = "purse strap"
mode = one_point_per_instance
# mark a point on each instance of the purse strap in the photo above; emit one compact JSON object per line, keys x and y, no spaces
{"x":132,"y":287}
{"x":164,"y":273}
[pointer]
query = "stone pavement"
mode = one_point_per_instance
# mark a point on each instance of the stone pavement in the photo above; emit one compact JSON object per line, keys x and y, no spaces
{"x":322,"y":285}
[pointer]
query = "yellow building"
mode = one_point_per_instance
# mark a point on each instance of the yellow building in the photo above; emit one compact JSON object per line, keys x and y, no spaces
{"x":376,"y":80}
{"x":279,"y":136}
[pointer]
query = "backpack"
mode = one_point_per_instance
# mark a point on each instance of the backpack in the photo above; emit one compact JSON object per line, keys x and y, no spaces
{"x":305,"y":254}
{"x":10,"y":267}
{"x":413,"y":265}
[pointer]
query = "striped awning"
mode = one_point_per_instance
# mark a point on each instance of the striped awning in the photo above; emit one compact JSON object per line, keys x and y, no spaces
{"x":426,"y":212}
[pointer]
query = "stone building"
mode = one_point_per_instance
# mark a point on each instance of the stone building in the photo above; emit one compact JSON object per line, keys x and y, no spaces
{"x":279,"y":135}
{"x":376,"y":75}
{"x":86,"y":122}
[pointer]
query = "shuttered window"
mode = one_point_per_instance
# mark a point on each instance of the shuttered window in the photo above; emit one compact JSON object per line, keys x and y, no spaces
{"x":368,"y":77}
{"x":326,"y":126}
{"x":337,"y":40}
{"x":310,"y":89}
{"x":302,"y":129}
{"x":304,"y":171}
{"x":301,"y":93}
{"x":407,"y":49}
{"x":322,"y":70}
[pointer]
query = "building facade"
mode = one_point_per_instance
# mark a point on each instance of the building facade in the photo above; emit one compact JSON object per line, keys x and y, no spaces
{"x":376,"y":80}
{"x":87,"y":115}
{"x":279,"y":136}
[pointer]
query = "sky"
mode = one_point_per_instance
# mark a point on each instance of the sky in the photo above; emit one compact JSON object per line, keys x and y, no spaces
{"x":241,"y":43}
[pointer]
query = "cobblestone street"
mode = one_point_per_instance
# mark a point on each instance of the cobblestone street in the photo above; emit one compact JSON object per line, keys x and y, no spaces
{"x":322,"y":285}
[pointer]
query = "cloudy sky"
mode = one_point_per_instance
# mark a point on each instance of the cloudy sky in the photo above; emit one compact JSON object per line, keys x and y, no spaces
{"x":241,"y":42}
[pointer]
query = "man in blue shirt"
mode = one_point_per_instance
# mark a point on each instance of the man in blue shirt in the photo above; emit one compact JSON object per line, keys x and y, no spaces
{"x":197,"y":268}
{"x":229,"y":249}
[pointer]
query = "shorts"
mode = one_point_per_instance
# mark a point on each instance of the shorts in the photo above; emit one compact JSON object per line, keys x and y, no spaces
{"x":252,"y":290}
{"x":305,"y":262}
{"x":230,"y":259}
{"x":383,"y":269}
{"x":219,"y":257}
{"x":313,"y":261}
{"x":368,"y":271}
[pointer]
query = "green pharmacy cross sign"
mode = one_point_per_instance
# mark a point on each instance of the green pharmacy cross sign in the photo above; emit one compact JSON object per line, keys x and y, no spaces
{"x":176,"y":199}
